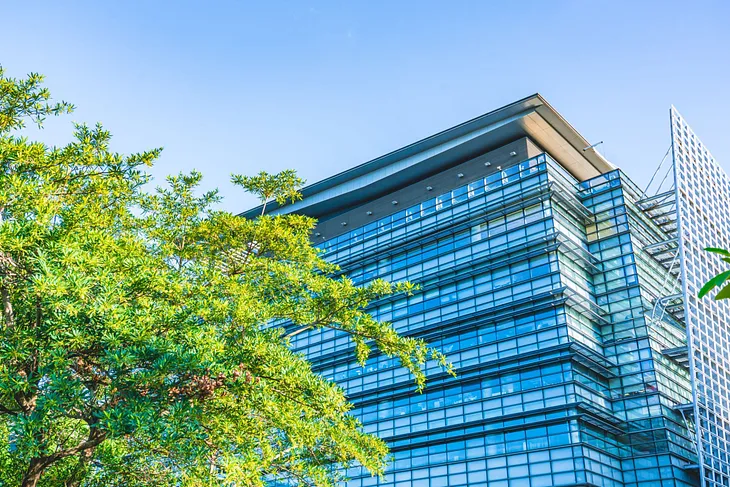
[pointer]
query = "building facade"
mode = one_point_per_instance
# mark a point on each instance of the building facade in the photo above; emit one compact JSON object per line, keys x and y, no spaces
{"x":557,"y":288}
{"x":701,"y":193}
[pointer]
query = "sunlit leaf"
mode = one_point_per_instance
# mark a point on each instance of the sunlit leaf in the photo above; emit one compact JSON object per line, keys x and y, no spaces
{"x":712,"y":283}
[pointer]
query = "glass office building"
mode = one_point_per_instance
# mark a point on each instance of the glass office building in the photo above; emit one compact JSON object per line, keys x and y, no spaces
{"x":559,"y":290}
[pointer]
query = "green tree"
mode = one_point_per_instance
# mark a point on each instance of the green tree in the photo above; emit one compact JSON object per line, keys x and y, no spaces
{"x":142,"y":338}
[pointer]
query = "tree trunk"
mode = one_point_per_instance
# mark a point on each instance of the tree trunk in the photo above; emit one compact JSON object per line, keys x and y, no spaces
{"x":80,"y":470}
{"x":33,"y":474}
{"x":7,"y":308}
{"x":84,"y":451}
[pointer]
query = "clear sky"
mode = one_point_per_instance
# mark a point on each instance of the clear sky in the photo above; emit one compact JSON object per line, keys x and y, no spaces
{"x":322,"y":86}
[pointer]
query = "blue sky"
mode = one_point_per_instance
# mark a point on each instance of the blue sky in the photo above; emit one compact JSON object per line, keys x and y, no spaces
{"x":322,"y":86}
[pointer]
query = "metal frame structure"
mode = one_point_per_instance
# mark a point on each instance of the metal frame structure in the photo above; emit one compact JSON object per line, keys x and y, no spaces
{"x":675,"y":209}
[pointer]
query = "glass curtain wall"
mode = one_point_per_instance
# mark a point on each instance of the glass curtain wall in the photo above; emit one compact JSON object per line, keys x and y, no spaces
{"x":538,"y":289}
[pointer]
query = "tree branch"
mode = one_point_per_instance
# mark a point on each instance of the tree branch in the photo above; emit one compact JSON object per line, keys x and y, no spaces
{"x":11,"y":412}
{"x":95,"y":438}
{"x":8,"y":316}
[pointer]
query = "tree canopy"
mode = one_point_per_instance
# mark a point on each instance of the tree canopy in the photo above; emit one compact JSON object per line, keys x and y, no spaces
{"x":142,"y":339}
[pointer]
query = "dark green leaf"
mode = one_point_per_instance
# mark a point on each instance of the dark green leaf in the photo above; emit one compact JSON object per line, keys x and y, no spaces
{"x":712,"y":283}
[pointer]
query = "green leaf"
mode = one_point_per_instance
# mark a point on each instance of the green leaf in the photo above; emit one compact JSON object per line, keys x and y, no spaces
{"x":712,"y":283}
{"x":716,"y":250}
{"x":147,"y":311}
{"x":724,"y":293}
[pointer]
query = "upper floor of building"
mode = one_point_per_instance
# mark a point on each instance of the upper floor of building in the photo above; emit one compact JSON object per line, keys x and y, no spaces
{"x":473,"y":149}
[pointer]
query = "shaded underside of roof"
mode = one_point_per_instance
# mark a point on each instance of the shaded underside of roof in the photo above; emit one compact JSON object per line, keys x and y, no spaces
{"x":531,"y":117}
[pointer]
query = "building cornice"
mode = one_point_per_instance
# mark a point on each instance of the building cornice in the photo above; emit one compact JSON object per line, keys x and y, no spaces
{"x":531,"y":117}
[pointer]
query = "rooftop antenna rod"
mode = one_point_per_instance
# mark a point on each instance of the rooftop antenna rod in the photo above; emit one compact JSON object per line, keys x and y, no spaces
{"x":592,"y":146}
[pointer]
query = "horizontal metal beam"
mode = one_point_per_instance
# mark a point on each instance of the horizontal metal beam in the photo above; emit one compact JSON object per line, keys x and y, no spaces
{"x":656,"y":197}
{"x":657,"y":245}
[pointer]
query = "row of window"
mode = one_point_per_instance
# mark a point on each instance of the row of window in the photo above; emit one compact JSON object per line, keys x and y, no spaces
{"x":481,"y":355}
{"x":428,"y":255}
{"x":506,"y":383}
{"x":491,"y":445}
{"x":543,"y":468}
{"x":483,"y":292}
{"x":490,"y":332}
{"x":487,"y":185}
{"x":485,"y":409}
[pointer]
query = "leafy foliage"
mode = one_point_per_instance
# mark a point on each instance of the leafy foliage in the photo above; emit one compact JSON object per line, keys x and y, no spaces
{"x":141,"y":340}
{"x":718,"y":280}
{"x":279,"y":187}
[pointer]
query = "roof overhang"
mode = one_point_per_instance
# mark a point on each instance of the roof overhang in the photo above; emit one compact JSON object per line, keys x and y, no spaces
{"x":531,"y":117}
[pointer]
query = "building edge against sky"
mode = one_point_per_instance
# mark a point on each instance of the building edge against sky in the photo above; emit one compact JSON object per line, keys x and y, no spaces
{"x":555,"y":285}
{"x":701,"y":193}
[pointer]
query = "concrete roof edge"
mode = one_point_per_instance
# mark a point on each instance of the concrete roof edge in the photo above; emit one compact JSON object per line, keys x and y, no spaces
{"x":534,"y":102}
